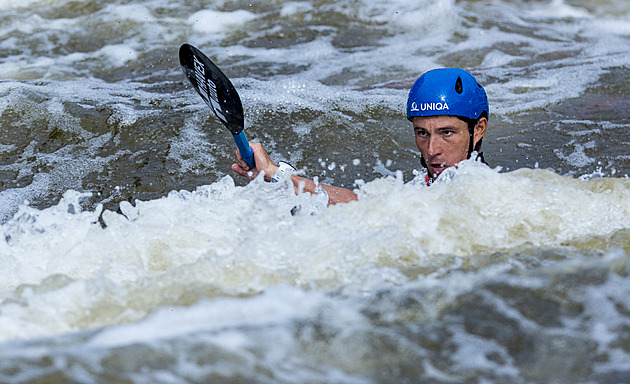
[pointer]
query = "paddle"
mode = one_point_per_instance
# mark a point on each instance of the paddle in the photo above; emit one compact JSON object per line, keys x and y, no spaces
{"x":220,"y":95}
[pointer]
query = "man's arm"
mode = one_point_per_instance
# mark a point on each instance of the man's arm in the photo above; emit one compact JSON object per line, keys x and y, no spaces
{"x":335,"y":194}
{"x":264,"y":163}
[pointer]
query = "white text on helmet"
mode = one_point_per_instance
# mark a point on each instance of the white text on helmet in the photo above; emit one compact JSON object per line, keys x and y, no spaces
{"x":433,"y":106}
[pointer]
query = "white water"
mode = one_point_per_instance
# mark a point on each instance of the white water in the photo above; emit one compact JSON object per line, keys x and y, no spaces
{"x":62,"y":271}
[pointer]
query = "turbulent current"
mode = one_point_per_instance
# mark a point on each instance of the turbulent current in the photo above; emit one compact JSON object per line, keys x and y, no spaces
{"x":131,"y":253}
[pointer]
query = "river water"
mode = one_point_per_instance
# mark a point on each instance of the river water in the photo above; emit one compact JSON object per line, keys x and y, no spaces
{"x":132,"y":254}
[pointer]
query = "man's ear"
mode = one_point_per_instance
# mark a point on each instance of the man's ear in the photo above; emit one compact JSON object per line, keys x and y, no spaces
{"x":480,"y":130}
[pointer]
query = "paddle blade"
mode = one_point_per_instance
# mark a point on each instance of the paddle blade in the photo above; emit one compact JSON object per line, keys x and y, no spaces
{"x":213,"y":87}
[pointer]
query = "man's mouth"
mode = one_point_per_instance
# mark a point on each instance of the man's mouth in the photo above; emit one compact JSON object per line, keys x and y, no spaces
{"x":437,"y":168}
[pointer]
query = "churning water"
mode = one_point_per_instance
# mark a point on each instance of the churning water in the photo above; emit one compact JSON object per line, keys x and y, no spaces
{"x":131,"y":253}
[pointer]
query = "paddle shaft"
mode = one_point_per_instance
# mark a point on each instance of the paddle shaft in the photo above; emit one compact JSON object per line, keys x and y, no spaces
{"x":245,"y":149}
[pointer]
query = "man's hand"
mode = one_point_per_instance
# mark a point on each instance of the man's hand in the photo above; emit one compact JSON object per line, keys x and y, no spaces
{"x":263,"y":164}
{"x":300,"y":184}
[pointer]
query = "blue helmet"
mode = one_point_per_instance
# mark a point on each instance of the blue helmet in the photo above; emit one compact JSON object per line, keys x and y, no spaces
{"x":447,"y":91}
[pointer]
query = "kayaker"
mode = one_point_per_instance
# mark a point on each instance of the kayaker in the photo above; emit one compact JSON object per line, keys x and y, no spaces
{"x":449,"y":111}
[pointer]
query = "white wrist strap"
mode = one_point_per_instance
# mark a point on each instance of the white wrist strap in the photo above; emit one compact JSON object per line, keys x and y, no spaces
{"x":283,"y":169}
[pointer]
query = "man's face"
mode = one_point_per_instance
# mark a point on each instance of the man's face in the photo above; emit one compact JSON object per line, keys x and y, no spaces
{"x":443,"y":140}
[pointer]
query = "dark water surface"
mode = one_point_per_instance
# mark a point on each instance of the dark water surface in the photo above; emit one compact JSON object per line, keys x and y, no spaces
{"x":130,"y":254}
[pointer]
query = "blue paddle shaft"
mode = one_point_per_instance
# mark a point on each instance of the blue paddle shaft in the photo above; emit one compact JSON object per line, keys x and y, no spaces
{"x":245,"y":149}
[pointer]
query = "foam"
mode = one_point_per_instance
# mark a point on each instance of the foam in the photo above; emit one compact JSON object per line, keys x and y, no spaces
{"x":559,"y":9}
{"x":187,"y":237}
{"x":497,"y":59}
{"x":216,"y":315}
{"x":118,"y":54}
{"x":577,"y":158}
{"x":17,"y":4}
{"x":208,"y":21}
{"x":619,"y":27}
{"x":190,"y":147}
{"x":432,"y":17}
{"x":460,"y":322}
{"x":293,"y":8}
{"x":136,"y":12}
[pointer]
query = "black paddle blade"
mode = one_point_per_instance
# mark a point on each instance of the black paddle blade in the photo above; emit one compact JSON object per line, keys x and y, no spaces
{"x":213,"y":87}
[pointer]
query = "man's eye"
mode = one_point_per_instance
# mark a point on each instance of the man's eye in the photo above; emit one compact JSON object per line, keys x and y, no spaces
{"x":421,"y":133}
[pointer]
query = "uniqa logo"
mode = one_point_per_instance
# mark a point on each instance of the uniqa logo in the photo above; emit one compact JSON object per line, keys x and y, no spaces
{"x":429,"y":107}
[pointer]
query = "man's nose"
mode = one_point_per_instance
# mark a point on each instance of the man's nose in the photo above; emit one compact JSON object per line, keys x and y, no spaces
{"x":435,"y":147}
